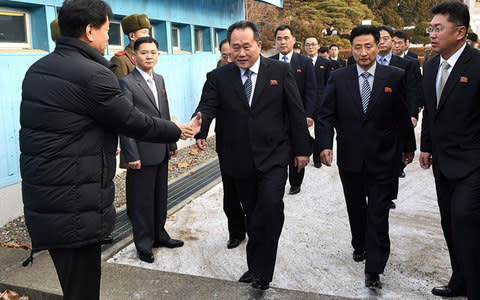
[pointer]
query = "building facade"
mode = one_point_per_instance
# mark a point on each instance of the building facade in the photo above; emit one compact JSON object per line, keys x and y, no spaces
{"x":474,"y":6}
{"x":188,"y":32}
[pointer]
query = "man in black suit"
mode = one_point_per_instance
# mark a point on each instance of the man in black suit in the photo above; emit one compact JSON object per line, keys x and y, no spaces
{"x":307,"y":86}
{"x":450,"y":141}
{"x":322,"y":69}
{"x":333,"y":56}
{"x":258,"y":107}
{"x":146,"y":182}
{"x":408,"y":52}
{"x":399,"y":41}
{"x":365,"y":104}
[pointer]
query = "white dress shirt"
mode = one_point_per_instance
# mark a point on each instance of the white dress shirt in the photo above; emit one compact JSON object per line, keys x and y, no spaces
{"x":451,"y":61}
{"x":289,"y":56}
{"x":149,"y":78}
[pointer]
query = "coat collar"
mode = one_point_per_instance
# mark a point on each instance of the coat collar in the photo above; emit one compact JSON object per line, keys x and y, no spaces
{"x":85,"y":50}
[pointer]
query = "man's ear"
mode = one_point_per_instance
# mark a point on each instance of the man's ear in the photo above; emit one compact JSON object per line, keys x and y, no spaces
{"x":89,"y":32}
{"x":131,"y":36}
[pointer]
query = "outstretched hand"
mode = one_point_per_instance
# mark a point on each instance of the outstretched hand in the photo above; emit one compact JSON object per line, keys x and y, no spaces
{"x":187,"y":131}
{"x":196,"y":123}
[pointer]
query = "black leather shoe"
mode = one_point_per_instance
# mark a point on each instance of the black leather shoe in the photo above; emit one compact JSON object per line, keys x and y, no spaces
{"x":146,"y":256}
{"x":233,"y":243}
{"x":261,"y":285}
{"x":246,"y":277}
{"x":393,"y":205}
{"x":359,"y":256}
{"x":317,"y":165}
{"x":402,"y":175}
{"x":372,"y":281}
{"x":294,"y":190}
{"x":171,"y":243}
{"x":446,"y":291}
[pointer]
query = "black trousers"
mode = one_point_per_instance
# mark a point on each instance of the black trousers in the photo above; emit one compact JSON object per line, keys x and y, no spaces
{"x":147,"y":191}
{"x":368,"y":199}
{"x":78,"y":271}
{"x":232,"y":206}
{"x":262,"y":199}
{"x":459,"y":203}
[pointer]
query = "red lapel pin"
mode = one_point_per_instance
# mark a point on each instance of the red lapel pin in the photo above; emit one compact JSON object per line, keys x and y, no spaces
{"x":388,"y":90}
{"x":463,"y":79}
{"x":273,"y":82}
{"x":163,"y":91}
{"x":299,"y":70}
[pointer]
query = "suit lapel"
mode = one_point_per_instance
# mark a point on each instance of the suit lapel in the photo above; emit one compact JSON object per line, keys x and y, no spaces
{"x":378,"y":85}
{"x":355,"y":90}
{"x":237,"y":84}
{"x":160,"y":92}
{"x":454,"y":77}
{"x":261,"y":80}
{"x":144,"y":86}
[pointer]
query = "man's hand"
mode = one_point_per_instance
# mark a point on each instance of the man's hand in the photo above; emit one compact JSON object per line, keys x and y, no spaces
{"x":414,"y":122}
{"x":136,"y":165}
{"x":187,"y":132}
{"x":425,"y":160}
{"x":196,"y":123}
{"x":309,"y":122}
{"x":326,"y":156}
{"x":173,"y":153}
{"x":202,"y":144}
{"x":408,"y":157}
{"x":301,"y":162}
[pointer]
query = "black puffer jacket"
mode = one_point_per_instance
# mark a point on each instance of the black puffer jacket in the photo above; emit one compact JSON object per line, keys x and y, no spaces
{"x":72,"y":109}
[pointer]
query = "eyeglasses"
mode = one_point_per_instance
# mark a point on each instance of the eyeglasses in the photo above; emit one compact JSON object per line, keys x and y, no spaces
{"x":439,"y":28}
{"x":311,"y":45}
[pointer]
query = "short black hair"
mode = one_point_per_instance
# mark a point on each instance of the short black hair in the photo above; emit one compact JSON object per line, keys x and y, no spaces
{"x":457,"y":12}
{"x":472,"y":36}
{"x":75,"y":15}
{"x":221,"y":44}
{"x":310,"y":37}
{"x":142,"y":40}
{"x":323,"y":49}
{"x":333,"y":45}
{"x":364,"y":30}
{"x":283,"y":27}
{"x":244,"y":25}
{"x":401,"y":35}
{"x":386,"y":28}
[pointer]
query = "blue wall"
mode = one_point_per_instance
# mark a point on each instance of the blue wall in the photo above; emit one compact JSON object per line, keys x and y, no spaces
{"x":184,"y":73}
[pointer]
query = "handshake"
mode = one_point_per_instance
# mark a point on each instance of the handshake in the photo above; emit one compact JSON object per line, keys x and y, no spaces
{"x":190,"y":130}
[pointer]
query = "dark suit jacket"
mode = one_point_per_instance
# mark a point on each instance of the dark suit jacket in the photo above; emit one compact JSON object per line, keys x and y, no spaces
{"x":452,"y":132}
{"x":372,"y":139}
{"x":304,"y":73}
{"x":136,"y":89}
{"x":323,"y":67}
{"x":410,"y":81}
{"x":412,"y":54}
{"x":338,"y":63}
{"x":259,"y":137}
{"x":418,"y":80}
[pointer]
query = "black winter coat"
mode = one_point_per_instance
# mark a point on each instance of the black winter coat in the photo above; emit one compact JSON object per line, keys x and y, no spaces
{"x":71,"y":111}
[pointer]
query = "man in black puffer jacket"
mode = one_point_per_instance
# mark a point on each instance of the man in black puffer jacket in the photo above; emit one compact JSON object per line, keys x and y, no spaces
{"x":72,"y":109}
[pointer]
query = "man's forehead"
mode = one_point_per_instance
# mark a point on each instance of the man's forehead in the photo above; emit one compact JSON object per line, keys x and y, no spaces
{"x":439,"y":19}
{"x":311,"y":39}
{"x":364,"y":39}
{"x":284,"y":32}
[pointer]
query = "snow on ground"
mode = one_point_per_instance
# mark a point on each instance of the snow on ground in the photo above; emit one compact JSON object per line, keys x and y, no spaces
{"x":314,"y":253}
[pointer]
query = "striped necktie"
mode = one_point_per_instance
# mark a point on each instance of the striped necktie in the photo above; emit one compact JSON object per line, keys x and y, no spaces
{"x":248,"y":85}
{"x":365,"y":91}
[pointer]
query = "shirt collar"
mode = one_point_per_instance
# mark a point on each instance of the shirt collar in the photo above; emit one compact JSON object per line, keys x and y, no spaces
{"x":145,"y":76}
{"x":371,"y":70}
{"x":387,"y":57}
{"x":254,"y":68}
{"x":289,"y":56}
{"x":453,"y":59}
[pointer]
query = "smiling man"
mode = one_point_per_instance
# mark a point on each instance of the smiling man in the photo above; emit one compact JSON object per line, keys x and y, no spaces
{"x":364,"y":102}
{"x":450,"y":142}
{"x":260,"y":117}
{"x":71,"y":111}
